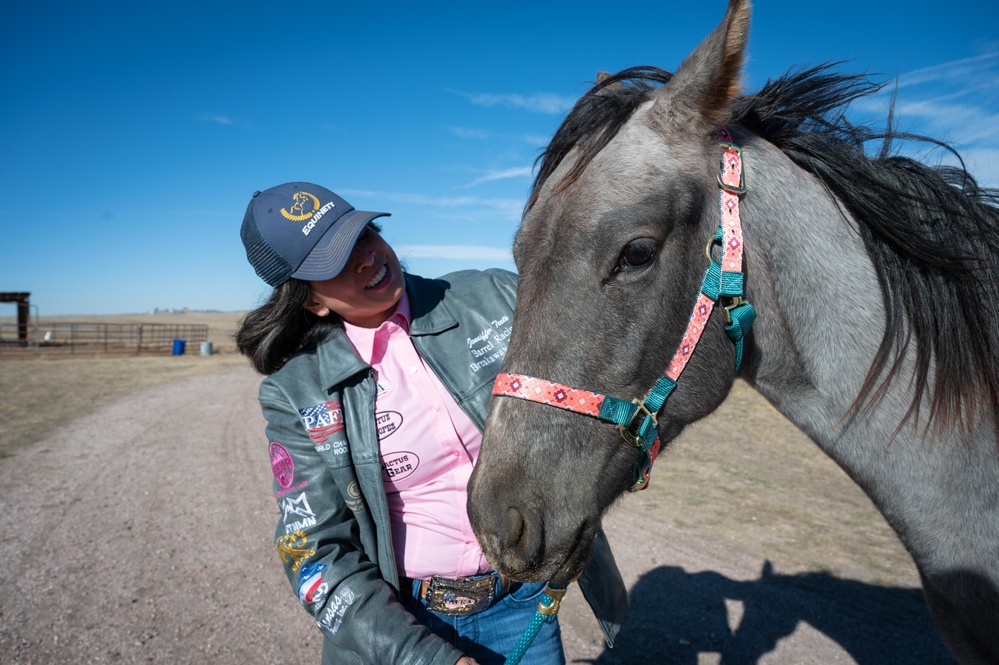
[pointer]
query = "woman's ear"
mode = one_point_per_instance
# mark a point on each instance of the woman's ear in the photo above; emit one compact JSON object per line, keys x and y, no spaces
{"x":316,"y":307}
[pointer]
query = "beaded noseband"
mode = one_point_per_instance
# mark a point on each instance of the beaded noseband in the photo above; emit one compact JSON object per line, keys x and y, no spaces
{"x":723,"y":282}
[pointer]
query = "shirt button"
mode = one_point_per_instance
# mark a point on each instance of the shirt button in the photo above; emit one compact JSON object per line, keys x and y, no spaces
{"x":455,"y":453}
{"x":437,"y":407}
{"x":412,"y":370}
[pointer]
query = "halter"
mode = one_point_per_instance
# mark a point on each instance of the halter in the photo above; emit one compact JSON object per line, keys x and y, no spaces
{"x":723,"y":283}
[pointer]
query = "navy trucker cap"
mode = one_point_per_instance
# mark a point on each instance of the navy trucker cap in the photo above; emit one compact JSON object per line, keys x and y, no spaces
{"x":300,"y":230}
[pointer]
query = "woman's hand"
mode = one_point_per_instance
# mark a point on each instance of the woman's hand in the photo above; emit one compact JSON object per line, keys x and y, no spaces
{"x":466,"y":660}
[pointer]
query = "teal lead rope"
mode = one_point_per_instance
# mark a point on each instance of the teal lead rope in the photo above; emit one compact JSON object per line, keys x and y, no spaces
{"x":547,"y":612}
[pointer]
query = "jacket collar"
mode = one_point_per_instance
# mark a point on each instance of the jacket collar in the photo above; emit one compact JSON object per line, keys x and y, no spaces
{"x":430,"y":315}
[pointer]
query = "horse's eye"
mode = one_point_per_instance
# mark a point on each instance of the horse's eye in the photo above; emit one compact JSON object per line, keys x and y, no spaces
{"x":635,"y":255}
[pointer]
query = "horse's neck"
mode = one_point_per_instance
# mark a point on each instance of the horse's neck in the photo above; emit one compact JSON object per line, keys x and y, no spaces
{"x":821,"y":314}
{"x":820,"y":323}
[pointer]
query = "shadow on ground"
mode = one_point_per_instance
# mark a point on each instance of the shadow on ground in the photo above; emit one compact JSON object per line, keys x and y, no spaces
{"x":676,"y":615}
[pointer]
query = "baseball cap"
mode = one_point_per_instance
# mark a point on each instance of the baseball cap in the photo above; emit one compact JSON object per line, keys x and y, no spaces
{"x":300,"y":230}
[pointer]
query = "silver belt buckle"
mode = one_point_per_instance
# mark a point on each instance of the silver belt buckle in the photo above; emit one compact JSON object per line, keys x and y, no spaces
{"x":461,"y":597}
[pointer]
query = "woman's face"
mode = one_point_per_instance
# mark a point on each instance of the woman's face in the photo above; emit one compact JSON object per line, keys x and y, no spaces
{"x":368,"y":288}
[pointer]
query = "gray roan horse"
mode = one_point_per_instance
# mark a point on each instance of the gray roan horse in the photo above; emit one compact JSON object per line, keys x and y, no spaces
{"x":875,"y":279}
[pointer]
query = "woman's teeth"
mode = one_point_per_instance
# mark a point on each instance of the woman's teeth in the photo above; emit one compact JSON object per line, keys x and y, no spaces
{"x":379,"y":276}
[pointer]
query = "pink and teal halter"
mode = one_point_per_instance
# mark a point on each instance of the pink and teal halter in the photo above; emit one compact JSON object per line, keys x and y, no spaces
{"x":723,"y":283}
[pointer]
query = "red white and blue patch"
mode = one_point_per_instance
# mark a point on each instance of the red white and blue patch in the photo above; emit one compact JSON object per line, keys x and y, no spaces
{"x":312,"y":581}
{"x":322,"y":420}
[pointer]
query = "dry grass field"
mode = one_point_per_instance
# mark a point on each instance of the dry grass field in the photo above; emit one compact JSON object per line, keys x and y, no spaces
{"x":747,"y":472}
{"x":39,"y":393}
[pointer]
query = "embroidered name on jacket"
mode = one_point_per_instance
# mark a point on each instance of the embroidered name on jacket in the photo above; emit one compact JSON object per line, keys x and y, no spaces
{"x":489,"y":345}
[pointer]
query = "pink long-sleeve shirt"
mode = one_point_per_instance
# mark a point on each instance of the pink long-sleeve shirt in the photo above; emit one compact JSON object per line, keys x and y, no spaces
{"x":428,"y":448}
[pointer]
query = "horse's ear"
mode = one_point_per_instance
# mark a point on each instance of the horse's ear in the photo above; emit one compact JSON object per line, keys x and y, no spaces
{"x":709,"y":78}
{"x":615,"y":86}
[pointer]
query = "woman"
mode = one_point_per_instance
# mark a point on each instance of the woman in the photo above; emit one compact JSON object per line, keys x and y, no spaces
{"x":375,"y":399}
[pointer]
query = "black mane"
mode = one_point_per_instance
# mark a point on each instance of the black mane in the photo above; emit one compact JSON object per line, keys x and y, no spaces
{"x":932,"y":232}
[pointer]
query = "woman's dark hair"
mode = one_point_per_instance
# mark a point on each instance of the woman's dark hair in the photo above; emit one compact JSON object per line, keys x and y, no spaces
{"x":270,"y":334}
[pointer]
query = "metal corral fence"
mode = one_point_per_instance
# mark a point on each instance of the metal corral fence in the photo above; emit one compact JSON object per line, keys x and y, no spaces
{"x":91,"y":338}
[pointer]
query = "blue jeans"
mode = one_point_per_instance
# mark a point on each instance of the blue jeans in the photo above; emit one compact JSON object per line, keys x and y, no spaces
{"x":492,"y":634}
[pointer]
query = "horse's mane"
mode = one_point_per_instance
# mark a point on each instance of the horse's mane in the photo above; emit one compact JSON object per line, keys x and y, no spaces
{"x":932,"y":233}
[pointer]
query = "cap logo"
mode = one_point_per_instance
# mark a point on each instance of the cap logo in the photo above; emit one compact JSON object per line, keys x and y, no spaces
{"x":305,"y":204}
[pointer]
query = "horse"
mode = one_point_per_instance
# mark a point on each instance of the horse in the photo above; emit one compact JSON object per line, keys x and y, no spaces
{"x":857,"y":291}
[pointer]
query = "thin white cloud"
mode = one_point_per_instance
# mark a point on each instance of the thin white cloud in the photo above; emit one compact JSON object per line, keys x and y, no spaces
{"x":463,"y":252}
{"x":517,"y":172}
{"x":536,"y":139}
{"x":219,"y":119}
{"x":983,"y":163}
{"x":468,"y":133}
{"x":966,"y":68}
{"x":539,"y":102}
{"x":954,"y":101}
{"x":435,"y":201}
{"x":964,"y":123}
{"x":225,"y":120}
{"x":469,"y":206}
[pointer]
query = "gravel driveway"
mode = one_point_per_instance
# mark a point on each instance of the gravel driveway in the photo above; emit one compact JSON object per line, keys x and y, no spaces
{"x":142,"y":533}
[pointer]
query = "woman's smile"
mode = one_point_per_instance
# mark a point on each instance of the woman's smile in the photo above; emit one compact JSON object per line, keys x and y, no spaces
{"x":377,"y":279}
{"x":362,"y":294}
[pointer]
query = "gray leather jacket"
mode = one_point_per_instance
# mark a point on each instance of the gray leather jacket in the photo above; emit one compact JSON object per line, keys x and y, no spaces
{"x":334,"y":536}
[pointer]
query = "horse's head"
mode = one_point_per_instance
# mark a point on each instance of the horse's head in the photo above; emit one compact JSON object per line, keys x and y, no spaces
{"x":611,"y":258}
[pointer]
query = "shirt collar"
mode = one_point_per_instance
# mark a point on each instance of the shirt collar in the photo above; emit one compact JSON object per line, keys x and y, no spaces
{"x":363,"y":339}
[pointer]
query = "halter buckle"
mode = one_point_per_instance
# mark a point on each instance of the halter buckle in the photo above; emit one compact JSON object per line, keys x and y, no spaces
{"x":734,"y":301}
{"x":632,"y":432}
{"x":739,"y":189}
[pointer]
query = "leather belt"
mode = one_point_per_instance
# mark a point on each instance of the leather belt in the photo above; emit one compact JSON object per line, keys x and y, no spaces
{"x":459,"y":597}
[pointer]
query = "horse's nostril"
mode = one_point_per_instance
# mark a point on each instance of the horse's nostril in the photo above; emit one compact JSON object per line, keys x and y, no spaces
{"x":515,"y":525}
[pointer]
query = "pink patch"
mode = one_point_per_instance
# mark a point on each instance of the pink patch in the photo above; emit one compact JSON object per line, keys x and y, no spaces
{"x":282,"y":466}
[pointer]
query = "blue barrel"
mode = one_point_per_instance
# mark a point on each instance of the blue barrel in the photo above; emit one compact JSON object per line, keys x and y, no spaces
{"x":178,"y":346}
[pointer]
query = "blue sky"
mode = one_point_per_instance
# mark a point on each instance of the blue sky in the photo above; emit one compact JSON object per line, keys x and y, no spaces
{"x":133,"y":134}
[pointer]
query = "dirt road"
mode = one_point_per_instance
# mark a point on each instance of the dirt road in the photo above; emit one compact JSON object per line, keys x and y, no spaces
{"x":142,"y":533}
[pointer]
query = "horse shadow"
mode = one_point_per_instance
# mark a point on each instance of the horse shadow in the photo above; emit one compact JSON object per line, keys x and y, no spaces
{"x":676,"y":615}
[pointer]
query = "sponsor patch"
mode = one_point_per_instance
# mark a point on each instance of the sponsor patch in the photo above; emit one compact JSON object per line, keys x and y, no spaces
{"x":335,"y":610}
{"x":283,"y":468}
{"x":388,"y":423}
{"x":322,"y":420}
{"x":299,"y":511}
{"x":312,"y":582}
{"x":397,"y":466}
{"x":354,"y":500}
{"x":294,"y":549}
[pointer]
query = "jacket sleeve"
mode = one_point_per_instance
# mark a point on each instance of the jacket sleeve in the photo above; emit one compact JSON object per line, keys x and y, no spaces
{"x":317,"y":540}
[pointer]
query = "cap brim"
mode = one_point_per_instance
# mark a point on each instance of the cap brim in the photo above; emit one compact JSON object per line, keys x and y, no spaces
{"x":330,"y":254}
